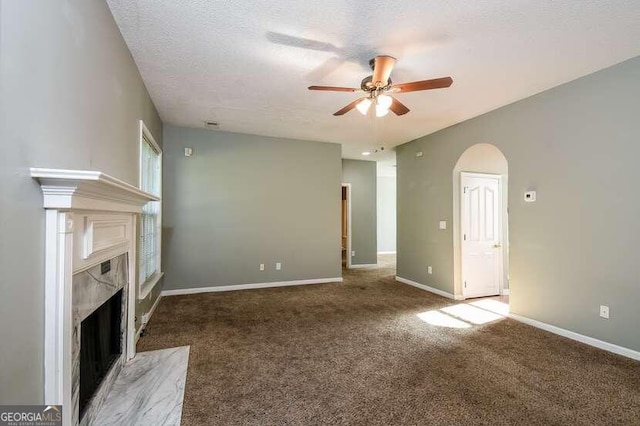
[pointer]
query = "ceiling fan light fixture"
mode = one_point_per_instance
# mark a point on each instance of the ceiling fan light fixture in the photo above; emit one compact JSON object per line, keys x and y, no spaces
{"x":381,"y":111}
{"x":363,"y":106}
{"x":383,"y":102}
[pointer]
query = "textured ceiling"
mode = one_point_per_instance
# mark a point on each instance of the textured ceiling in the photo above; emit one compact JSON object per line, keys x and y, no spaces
{"x":247,"y":64}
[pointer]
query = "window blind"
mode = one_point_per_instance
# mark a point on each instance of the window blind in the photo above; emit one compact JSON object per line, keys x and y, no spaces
{"x":149,"y":247}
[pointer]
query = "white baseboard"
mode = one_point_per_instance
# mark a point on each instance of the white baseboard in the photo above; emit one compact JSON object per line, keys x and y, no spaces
{"x":505,"y":292}
{"x":363,"y":265}
{"x":429,"y":289}
{"x":386,"y":252}
{"x":155,"y":305}
{"x":151,"y":311}
{"x":248,"y":286}
{"x":610,"y":347}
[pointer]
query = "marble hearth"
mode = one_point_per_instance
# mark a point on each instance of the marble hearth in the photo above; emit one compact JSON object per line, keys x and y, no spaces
{"x":149,"y":390}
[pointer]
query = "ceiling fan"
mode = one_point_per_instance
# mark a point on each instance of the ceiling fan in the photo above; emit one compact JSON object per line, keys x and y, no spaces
{"x":377,"y":87}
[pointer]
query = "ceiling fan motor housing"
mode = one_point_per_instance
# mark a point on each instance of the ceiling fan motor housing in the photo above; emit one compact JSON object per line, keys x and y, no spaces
{"x":367,"y":84}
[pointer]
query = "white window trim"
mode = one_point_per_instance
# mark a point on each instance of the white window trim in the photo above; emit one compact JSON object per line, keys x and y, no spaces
{"x":145,"y":288}
{"x":148,"y":285}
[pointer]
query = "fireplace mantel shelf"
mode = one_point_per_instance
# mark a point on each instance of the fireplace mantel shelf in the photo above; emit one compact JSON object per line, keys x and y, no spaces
{"x":88,"y":190}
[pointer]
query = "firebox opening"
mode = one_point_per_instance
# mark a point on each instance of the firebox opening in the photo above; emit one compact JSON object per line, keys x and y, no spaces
{"x":100,"y":346}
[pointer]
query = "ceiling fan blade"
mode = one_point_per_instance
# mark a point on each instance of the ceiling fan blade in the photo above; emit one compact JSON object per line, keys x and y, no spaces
{"x":398,"y":107}
{"x":334,"y":89}
{"x":349,"y":107}
{"x":414,"y":86}
{"x":382,"y":69}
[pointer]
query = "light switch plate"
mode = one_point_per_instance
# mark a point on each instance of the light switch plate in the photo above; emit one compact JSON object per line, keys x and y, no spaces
{"x":429,"y":270}
{"x":278,"y":266}
{"x":443,"y":224}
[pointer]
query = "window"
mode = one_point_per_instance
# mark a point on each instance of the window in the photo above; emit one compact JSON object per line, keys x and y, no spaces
{"x":149,"y":245}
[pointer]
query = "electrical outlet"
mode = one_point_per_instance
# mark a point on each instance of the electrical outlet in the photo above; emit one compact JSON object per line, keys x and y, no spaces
{"x":353,"y":253}
{"x":278,"y":266}
{"x":145,"y":319}
{"x":429,"y":270}
{"x":604,"y":311}
{"x":262,"y":266}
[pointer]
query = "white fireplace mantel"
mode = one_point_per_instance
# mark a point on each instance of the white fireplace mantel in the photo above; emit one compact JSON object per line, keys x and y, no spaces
{"x":90,"y":218}
{"x":89,"y":190}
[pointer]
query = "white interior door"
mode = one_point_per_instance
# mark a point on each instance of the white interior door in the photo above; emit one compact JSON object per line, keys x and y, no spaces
{"x":481,"y":220}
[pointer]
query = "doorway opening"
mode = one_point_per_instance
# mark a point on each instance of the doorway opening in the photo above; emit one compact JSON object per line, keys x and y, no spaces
{"x":345,"y":234}
{"x":386,"y":213}
{"x":481,"y":232}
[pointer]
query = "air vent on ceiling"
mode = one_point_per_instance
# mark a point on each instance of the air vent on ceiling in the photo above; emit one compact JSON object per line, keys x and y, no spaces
{"x":211,"y":125}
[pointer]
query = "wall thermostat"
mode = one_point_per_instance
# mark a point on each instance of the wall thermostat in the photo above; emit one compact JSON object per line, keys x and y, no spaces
{"x":530,"y":196}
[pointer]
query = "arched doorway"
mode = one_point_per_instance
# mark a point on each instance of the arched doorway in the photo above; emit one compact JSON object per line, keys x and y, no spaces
{"x":481,"y":161}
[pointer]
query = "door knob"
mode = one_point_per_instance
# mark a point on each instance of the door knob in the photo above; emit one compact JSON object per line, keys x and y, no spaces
{"x":497,"y":245}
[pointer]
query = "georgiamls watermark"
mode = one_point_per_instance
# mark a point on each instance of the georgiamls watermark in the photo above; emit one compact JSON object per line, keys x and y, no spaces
{"x":30,"y":415}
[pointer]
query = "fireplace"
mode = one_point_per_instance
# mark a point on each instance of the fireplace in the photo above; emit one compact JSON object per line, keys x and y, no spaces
{"x":100,"y":346}
{"x":90,"y":235}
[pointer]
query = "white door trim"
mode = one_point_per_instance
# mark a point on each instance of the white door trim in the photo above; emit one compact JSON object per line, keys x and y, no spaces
{"x":348,"y":186}
{"x":501,"y":238}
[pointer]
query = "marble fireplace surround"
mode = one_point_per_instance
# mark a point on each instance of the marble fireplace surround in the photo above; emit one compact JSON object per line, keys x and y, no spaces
{"x":90,"y":290}
{"x":89,"y":218}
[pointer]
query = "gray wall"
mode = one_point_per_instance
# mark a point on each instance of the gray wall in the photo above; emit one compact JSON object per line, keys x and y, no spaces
{"x":386,"y":202}
{"x":70,"y":97}
{"x":578,"y":146}
{"x":242,"y":200}
{"x":362,"y":177}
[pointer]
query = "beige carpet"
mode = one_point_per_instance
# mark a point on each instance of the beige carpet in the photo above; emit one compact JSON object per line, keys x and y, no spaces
{"x":357,"y":353}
